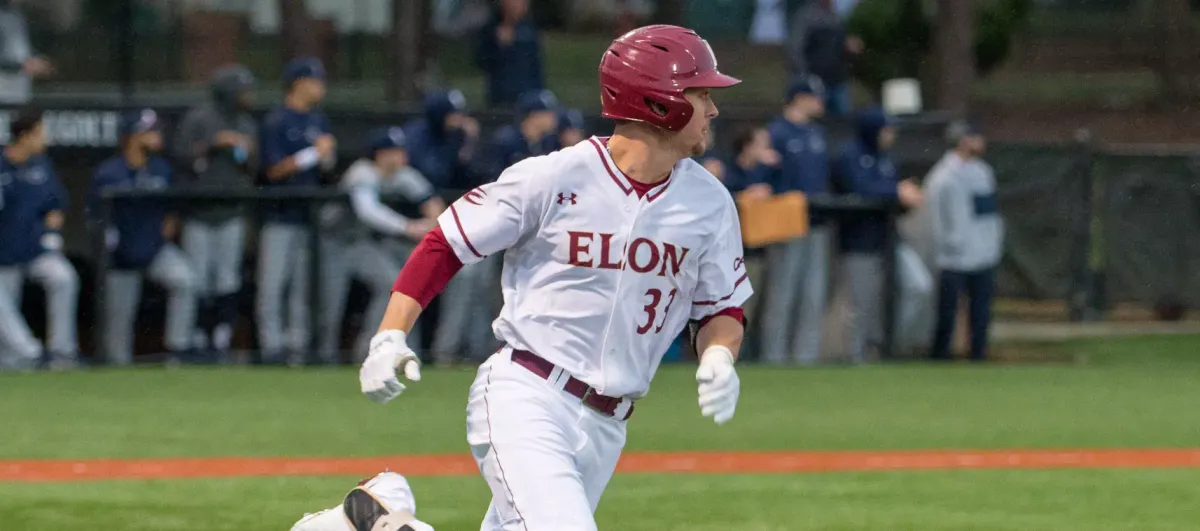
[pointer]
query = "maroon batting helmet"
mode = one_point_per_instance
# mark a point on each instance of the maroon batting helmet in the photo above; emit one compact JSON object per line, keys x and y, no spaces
{"x":644,"y":73}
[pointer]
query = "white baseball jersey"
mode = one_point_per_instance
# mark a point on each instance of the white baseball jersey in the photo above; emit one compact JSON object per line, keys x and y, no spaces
{"x":597,"y":280}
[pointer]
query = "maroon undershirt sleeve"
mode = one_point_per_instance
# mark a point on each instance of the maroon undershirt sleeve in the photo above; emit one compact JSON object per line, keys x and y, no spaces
{"x":735,"y":313}
{"x":429,"y":268}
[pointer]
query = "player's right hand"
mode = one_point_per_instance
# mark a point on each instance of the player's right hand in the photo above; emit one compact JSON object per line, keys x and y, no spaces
{"x":388,"y":354}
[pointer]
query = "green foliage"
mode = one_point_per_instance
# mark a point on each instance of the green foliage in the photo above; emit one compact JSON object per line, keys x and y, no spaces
{"x":899,"y":34}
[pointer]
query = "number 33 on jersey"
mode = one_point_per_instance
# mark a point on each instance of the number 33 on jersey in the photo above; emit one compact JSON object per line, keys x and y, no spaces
{"x":599,"y":278}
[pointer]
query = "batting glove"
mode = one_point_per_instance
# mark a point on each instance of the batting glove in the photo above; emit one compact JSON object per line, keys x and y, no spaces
{"x":719,"y":385}
{"x":388,"y":354}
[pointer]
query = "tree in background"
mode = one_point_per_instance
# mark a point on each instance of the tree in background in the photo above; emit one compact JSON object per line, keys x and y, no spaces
{"x":899,"y":37}
{"x":1177,"y":48}
{"x":297,"y":30}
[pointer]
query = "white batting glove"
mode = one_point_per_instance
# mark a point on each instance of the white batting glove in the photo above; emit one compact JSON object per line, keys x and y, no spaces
{"x":719,"y":385}
{"x":388,"y":354}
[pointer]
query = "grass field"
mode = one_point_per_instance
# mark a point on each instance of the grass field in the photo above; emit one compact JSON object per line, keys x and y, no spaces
{"x":1132,"y":393}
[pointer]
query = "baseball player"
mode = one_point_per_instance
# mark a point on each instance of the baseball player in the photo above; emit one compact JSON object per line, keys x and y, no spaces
{"x":381,"y":503}
{"x":140,"y":242}
{"x":469,"y":303}
{"x":296,"y":147}
{"x":794,"y":309}
{"x":218,"y":143}
{"x":442,"y":144}
{"x":372,"y":240}
{"x":610,"y":248}
{"x":571,"y":127}
{"x":32,"y":200}
{"x":865,"y":168}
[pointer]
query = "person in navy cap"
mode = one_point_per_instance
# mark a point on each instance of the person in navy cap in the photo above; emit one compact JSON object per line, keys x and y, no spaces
{"x":794,"y":307}
{"x":441,"y":145}
{"x":139,"y":240}
{"x":296,"y":148}
{"x":372,"y":239}
{"x":32,"y":201}
{"x":530,"y":134}
{"x":571,"y":127}
{"x":865,"y":168}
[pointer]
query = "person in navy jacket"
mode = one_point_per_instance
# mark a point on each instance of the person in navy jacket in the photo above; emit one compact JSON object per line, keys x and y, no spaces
{"x":531,"y":134}
{"x":442,"y":144}
{"x":139,"y":242}
{"x":510,"y":54}
{"x":794,"y":307}
{"x":296,"y":148}
{"x":865,"y":169}
{"x":32,"y":201}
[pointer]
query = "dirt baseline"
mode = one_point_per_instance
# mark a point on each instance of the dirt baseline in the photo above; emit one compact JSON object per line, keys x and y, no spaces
{"x":632,"y":462}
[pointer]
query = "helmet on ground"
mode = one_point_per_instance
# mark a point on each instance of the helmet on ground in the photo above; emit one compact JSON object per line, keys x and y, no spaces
{"x":644,"y":73}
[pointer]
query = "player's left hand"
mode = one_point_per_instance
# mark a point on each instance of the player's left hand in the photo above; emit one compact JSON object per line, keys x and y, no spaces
{"x":389,"y":353}
{"x":719,"y":385}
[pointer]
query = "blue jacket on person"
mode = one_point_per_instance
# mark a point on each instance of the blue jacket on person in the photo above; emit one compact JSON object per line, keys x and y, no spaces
{"x":509,"y":146}
{"x":512,"y":69}
{"x":866,"y":170}
{"x":433,"y":150}
{"x":738,"y":178}
{"x":284,"y":133}
{"x":138,"y":224}
{"x":28,"y":192}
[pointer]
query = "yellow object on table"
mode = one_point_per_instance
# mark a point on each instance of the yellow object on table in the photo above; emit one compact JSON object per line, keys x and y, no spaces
{"x":772,"y":219}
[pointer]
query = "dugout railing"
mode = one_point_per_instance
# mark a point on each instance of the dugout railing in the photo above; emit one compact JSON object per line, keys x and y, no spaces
{"x":315,"y":197}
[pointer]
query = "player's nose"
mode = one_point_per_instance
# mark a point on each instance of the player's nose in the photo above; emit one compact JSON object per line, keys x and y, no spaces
{"x":713,"y":112}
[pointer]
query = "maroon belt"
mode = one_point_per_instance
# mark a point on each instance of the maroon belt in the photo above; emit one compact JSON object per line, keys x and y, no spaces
{"x":605,"y":405}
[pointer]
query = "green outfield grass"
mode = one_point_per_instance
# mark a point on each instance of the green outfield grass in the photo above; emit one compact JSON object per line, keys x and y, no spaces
{"x":1137,"y":392}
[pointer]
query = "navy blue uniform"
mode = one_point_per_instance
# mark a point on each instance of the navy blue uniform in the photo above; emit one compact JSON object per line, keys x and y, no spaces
{"x":738,"y":178}
{"x":27,"y":193}
{"x":866,"y":170}
{"x":139,"y":223}
{"x":433,"y":150}
{"x":512,"y":69}
{"x":509,"y":147}
{"x":284,"y":133}
{"x":804,"y":159}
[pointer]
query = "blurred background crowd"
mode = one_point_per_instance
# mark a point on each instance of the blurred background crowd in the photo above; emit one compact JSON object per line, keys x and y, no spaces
{"x":240,"y":181}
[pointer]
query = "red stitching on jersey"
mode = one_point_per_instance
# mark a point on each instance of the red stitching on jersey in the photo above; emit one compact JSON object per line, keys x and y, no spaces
{"x":604,"y":160}
{"x":727,"y":297}
{"x":466,"y":240}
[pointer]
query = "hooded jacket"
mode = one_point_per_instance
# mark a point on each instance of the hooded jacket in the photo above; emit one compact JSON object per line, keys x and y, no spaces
{"x":866,"y":170}
{"x":968,"y":229}
{"x":207,"y":165}
{"x":436,"y":152}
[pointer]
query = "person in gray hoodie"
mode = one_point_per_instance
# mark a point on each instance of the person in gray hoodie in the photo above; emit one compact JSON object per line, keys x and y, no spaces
{"x":217,"y":144}
{"x":968,"y":237}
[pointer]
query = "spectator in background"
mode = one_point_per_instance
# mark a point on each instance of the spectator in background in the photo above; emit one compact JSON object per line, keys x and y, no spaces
{"x":218,"y":143}
{"x":748,"y":174}
{"x":140,"y":243}
{"x":968,"y":236}
{"x":32,"y":201}
{"x":442,"y":144}
{"x":571,"y":128}
{"x":532,"y":133}
{"x":296,"y":148}
{"x":794,"y":307}
{"x":510,"y":54}
{"x":18,"y":64}
{"x":818,"y":45}
{"x":865,"y":169}
{"x":372,"y":241}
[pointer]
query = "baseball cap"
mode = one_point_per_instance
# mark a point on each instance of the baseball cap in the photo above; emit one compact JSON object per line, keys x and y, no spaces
{"x":301,"y":68}
{"x":570,"y":119}
{"x":140,"y":121}
{"x":803,"y":84}
{"x":537,"y":100}
{"x":386,"y":138}
{"x":960,"y":129}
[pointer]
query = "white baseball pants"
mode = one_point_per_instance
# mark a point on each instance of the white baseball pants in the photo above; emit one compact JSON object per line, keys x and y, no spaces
{"x":546,"y":456}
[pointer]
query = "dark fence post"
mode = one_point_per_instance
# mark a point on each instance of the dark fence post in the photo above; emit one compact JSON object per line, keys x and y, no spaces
{"x":314,"y":274}
{"x":890,"y":282}
{"x":100,"y":276}
{"x":1081,"y":297}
